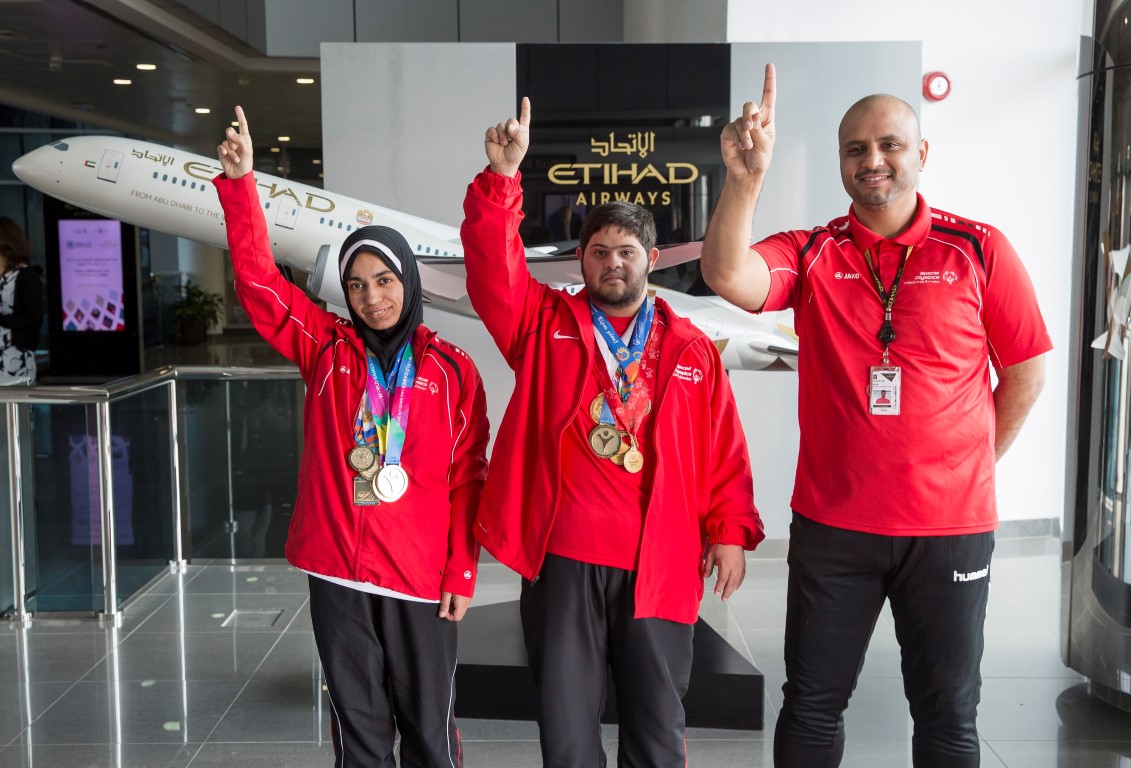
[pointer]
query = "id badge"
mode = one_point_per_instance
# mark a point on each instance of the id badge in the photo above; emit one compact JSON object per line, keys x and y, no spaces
{"x":884,"y":385}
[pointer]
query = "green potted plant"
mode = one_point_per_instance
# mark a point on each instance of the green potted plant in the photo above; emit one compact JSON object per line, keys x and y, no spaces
{"x":197,"y":309}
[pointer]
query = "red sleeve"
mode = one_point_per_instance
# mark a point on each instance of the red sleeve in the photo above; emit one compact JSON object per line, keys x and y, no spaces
{"x":499,"y":285}
{"x":282,"y":314}
{"x":782,"y":254}
{"x":1015,"y":328}
{"x":468,"y":471}
{"x":732,"y":518}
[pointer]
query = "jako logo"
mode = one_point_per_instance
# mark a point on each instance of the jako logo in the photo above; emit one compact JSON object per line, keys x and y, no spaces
{"x":973,"y":575}
{"x":847,"y":275}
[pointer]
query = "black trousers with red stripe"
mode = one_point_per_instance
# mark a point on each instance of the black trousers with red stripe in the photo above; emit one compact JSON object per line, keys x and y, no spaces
{"x":577,"y":620}
{"x":390,"y":665}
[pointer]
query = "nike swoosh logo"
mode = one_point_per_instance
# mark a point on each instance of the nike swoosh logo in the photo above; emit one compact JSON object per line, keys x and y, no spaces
{"x":558,"y":335}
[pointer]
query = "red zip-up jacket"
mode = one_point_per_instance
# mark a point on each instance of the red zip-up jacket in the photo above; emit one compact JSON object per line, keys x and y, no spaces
{"x":423,"y":543}
{"x":702,"y":489}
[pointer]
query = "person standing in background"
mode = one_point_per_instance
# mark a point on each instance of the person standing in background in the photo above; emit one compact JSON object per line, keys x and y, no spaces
{"x":21,"y":306}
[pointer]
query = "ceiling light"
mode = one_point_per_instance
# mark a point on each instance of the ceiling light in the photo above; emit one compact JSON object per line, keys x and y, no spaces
{"x":203,"y":111}
{"x":305,"y":81}
{"x":279,"y":168}
{"x":122,"y":81}
{"x":147,"y":67}
{"x":235,"y":123}
{"x":274,"y":149}
{"x":284,"y":138}
{"x":316,"y":161}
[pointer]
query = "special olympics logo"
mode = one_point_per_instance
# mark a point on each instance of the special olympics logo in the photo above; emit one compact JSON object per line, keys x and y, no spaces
{"x":697,"y":375}
{"x":950,"y":277}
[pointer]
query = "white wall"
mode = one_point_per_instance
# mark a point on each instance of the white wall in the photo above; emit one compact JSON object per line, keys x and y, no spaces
{"x":1002,"y":150}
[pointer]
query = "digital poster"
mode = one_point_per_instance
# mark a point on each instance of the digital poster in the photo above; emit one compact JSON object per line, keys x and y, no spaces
{"x":90,"y":271}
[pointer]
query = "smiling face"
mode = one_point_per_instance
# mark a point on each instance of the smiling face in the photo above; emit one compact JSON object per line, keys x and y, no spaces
{"x":881,"y":154}
{"x":374,"y":291}
{"x":615,"y":268}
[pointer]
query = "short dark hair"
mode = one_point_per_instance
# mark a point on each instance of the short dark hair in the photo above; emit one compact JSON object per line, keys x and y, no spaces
{"x":634,"y":219}
{"x":13,"y":242}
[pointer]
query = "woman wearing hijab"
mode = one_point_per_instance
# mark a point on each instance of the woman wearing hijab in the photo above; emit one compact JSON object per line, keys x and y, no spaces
{"x":395,"y":435}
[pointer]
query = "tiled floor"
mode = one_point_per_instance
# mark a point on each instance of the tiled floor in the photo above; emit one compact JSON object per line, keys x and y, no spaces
{"x":217,"y":668}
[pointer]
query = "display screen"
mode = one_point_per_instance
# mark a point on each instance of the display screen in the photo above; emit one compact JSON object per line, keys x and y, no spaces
{"x":90,"y":269}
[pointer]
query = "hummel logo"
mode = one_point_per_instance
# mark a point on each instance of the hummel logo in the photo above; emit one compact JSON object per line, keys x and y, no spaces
{"x":972,"y":575}
{"x":558,"y":335}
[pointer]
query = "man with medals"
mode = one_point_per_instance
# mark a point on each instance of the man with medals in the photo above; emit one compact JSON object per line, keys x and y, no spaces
{"x":901,"y":310}
{"x":620,"y":477}
{"x":386,"y":503}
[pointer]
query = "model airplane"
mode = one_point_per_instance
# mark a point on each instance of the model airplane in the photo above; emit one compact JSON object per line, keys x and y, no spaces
{"x":158,"y":187}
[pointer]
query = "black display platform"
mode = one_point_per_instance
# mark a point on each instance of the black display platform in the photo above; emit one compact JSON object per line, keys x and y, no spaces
{"x":493,"y":682}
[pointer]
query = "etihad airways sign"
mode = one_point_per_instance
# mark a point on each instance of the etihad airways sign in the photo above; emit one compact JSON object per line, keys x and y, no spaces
{"x":613,"y":178}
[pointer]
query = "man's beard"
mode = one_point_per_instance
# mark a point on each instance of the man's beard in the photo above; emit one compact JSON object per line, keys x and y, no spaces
{"x":618,"y":297}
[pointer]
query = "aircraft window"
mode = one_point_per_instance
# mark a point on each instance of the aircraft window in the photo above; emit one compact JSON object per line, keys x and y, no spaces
{"x":184,"y":182}
{"x":164,"y":177}
{"x":116,"y":164}
{"x":267,"y":206}
{"x":339,"y":225}
{"x":331,"y":223}
{"x":174,"y":179}
{"x":349,"y":227}
{"x":428,"y":249}
{"x":194,"y":185}
{"x":322,"y":220}
{"x":155,"y":174}
{"x":62,"y":146}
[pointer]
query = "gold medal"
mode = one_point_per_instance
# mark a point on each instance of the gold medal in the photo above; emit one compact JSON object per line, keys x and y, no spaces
{"x":362,"y":458}
{"x":605,"y":440}
{"x":634,"y":460}
{"x":598,"y":403}
{"x":618,"y":457}
{"x":363,"y":492}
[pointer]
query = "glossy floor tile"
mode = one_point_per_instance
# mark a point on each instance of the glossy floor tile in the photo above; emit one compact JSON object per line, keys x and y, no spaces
{"x":217,"y":667}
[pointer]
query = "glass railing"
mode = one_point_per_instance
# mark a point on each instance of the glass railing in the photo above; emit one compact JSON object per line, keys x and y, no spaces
{"x":108,"y":487}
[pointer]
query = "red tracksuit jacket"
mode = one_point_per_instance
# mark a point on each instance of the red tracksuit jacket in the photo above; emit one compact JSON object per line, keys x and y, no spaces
{"x":703,"y":489}
{"x":421,"y":544}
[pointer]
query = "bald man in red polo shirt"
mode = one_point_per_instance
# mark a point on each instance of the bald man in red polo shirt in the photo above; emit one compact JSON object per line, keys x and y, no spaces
{"x":901,"y":310}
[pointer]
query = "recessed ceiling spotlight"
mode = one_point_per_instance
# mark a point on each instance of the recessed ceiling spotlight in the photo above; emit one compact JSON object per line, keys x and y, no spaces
{"x":284,"y":138}
{"x":235,"y":123}
{"x":274,"y":149}
{"x":122,"y":81}
{"x":203,"y":111}
{"x":305,"y":81}
{"x":317,"y":161}
{"x":147,"y":67}
{"x":279,"y":168}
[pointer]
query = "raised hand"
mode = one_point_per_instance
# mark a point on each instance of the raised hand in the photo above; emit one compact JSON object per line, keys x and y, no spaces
{"x":235,"y":150}
{"x":507,"y":142}
{"x":748,"y":143}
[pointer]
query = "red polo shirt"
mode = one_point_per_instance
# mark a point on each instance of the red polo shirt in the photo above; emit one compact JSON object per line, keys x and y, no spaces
{"x":964,"y":300}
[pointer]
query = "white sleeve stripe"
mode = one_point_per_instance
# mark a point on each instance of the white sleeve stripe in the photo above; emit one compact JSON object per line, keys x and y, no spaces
{"x":283,"y":304}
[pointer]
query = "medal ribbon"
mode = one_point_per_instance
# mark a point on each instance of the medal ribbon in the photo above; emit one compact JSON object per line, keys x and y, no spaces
{"x":390,"y":409}
{"x":887,"y":298}
{"x":633,"y":361}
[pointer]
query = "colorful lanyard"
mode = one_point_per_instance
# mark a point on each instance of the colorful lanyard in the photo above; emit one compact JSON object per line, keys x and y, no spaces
{"x":390,"y":423}
{"x":887,"y":298}
{"x":630,"y":359}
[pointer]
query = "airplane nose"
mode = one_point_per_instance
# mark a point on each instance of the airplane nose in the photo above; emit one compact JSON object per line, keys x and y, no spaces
{"x":40,"y":167}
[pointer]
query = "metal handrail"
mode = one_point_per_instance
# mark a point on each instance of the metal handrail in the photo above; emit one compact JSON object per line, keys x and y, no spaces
{"x":13,"y":398}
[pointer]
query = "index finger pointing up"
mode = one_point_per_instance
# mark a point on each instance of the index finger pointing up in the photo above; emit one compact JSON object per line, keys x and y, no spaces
{"x":769,"y":90}
{"x":242,"y":120}
{"x":524,"y":112}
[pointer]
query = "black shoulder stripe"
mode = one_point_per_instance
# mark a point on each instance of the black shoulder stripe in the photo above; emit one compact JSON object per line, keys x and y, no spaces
{"x":812,"y":240}
{"x":451,"y":361}
{"x":965,"y":236}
